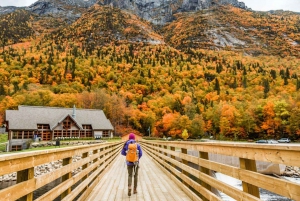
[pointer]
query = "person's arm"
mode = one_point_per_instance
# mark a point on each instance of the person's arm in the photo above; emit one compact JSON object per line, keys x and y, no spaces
{"x":140,"y":151}
{"x":125,"y":147}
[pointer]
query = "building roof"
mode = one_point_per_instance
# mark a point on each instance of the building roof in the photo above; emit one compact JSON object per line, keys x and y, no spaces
{"x":27,"y":117}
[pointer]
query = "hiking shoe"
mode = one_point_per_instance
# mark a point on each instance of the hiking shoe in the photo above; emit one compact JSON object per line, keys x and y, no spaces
{"x":134,"y":191}
{"x":129,"y":192}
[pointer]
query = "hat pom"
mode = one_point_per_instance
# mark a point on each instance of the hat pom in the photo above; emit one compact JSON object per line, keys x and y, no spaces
{"x":131,"y":136}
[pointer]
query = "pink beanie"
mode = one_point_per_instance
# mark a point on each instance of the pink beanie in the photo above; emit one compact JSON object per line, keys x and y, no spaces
{"x":131,"y":136}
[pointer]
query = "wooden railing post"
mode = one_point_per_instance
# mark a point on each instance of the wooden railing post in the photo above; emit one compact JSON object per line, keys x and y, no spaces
{"x":107,"y":154}
{"x":67,"y":176}
{"x":204,"y":155}
{"x":101,"y":155}
{"x":96,"y":159}
{"x":155,"y":148}
{"x":165,"y":153}
{"x":248,"y":164}
{"x":184,"y":151}
{"x":84,"y":155}
{"x":165,"y":147}
{"x":172,"y":156}
{"x":160,"y":146}
{"x":25,"y":175}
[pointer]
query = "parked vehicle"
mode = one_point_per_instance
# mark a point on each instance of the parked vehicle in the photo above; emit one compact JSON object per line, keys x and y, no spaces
{"x":272,"y":141}
{"x":284,"y":140}
{"x":262,"y":141}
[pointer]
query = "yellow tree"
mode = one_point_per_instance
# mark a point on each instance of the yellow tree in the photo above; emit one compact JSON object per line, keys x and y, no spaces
{"x":64,"y":100}
{"x":185,"y":134}
{"x":224,"y":127}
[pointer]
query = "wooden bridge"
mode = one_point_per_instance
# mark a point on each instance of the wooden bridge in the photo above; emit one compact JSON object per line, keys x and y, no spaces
{"x":168,"y":171}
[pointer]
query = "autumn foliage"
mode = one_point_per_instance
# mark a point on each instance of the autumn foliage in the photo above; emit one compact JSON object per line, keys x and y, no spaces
{"x":225,"y":93}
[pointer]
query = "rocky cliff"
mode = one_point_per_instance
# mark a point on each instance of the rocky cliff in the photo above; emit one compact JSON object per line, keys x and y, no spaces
{"x":71,"y":9}
{"x":158,"y":12}
{"x":8,"y":9}
{"x":161,"y":11}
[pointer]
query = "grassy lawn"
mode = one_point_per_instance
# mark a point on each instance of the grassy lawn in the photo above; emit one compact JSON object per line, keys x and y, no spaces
{"x":3,"y":138}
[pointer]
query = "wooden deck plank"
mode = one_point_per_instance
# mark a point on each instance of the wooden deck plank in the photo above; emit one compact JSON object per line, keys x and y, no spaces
{"x":167,"y":187}
{"x":153,"y":184}
{"x":155,"y":188}
{"x":107,"y":188}
{"x":146,"y":184}
{"x":116,"y":183}
{"x":121,"y":188}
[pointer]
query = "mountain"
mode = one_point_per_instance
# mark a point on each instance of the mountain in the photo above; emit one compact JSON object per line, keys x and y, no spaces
{"x":103,"y":25}
{"x":15,"y":27}
{"x":69,"y":9}
{"x":182,"y":24}
{"x":57,"y":7}
{"x":231,"y":28}
{"x":209,"y":68}
{"x":8,"y":9}
{"x":217,"y":28}
{"x":156,"y":11}
{"x":160,"y":11}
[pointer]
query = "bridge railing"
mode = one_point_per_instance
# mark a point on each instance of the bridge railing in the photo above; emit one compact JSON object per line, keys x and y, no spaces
{"x":93,"y":162}
{"x":192,"y":173}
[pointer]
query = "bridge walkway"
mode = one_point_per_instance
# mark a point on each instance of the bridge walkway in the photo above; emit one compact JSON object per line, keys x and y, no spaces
{"x":153,"y":184}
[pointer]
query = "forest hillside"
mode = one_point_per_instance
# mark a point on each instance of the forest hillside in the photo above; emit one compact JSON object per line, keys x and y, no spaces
{"x":224,"y":71}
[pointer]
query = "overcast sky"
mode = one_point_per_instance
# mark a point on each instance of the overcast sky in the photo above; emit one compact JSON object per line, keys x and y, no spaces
{"x":265,"y":5}
{"x":262,"y":5}
{"x":16,"y":2}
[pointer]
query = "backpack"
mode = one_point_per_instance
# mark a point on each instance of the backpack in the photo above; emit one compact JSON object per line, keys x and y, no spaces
{"x":132,"y":153}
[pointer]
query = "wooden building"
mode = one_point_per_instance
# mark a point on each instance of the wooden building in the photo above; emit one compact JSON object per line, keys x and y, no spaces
{"x":49,"y":123}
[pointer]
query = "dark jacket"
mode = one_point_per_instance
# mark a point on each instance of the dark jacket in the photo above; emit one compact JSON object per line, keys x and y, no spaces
{"x":125,"y":148}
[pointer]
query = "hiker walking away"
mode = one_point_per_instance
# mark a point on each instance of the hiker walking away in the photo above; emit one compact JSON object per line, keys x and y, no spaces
{"x":133,"y":152}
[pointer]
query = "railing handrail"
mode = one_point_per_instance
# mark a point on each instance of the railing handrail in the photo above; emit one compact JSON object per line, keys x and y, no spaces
{"x":15,"y":155}
{"x":289,"y":154}
{"x":285,"y":146}
{"x":94,"y":160}
{"x":175,"y":162}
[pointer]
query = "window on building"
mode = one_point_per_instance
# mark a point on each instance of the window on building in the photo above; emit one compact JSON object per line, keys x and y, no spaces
{"x":75,"y":133}
{"x":44,"y":132}
{"x":88,"y":133}
{"x":17,"y":135}
{"x":105,"y":133}
{"x":87,"y":127}
{"x":43,"y":126}
{"x":16,"y":147}
{"x":28,"y":134}
{"x":67,"y":123}
{"x":57,"y":133}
